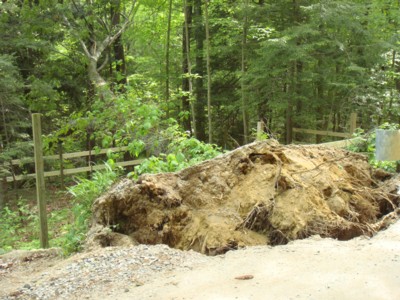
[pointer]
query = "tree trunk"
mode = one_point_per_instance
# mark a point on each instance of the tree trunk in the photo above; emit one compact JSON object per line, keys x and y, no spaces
{"x":4,"y":119}
{"x":319,"y":97}
{"x":243,"y":71}
{"x":289,"y":115}
{"x":200,"y":94}
{"x":209,"y":111}
{"x":96,"y":50}
{"x":167,"y":46}
{"x":119,"y":52}
{"x":99,"y":84}
{"x":395,"y":69}
{"x":187,"y":85}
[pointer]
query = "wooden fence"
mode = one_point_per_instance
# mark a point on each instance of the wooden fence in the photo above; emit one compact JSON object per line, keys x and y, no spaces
{"x":40,"y":184}
{"x":40,"y":174}
{"x":352,"y":123}
{"x":62,"y":156}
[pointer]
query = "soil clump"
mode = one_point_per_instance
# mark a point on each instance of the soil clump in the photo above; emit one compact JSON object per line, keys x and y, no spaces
{"x":262,"y":193}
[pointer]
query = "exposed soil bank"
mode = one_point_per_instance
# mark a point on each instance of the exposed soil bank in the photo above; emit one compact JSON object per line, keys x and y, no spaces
{"x":262,"y":193}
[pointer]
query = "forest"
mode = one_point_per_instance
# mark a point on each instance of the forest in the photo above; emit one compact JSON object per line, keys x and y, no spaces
{"x":193,"y":77}
{"x":111,"y":72}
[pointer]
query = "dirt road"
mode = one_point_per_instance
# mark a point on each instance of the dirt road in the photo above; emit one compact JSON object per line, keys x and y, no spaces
{"x":308,"y":269}
{"x":313,"y":268}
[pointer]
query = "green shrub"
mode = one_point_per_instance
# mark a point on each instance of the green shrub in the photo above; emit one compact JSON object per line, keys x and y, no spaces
{"x":19,"y":227}
{"x":183,"y":151}
{"x":68,"y":226}
{"x":84,"y":193}
{"x":366,"y":144}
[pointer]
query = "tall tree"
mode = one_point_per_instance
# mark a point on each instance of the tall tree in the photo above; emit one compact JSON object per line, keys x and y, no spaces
{"x":199,"y":91}
{"x":243,"y":73}
{"x":101,"y":37}
{"x":167,"y":54}
{"x":118,"y":47}
{"x":209,"y":110}
{"x":12,"y":117}
{"x":187,"y":82}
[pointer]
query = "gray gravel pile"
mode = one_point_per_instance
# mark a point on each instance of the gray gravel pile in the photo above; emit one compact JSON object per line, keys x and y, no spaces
{"x":107,"y":270}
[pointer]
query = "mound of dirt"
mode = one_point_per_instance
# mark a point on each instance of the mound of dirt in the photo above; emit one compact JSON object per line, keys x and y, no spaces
{"x":262,"y":193}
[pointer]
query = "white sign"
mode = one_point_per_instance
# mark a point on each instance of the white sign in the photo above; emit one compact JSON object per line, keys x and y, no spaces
{"x":387,"y":144}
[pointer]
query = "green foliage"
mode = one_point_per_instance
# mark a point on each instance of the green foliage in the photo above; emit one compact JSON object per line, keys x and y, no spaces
{"x":19,"y":227}
{"x":182,"y":151}
{"x":15,"y":150}
{"x":13,"y":118}
{"x":366,"y":144}
{"x":84,"y":193}
{"x":14,"y":224}
{"x":128,"y":120}
{"x":317,"y":58}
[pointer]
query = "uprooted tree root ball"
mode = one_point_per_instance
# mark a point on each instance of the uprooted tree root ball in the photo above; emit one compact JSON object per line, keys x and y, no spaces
{"x":262,"y":193}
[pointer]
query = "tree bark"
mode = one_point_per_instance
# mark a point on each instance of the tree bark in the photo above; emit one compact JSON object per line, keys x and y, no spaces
{"x":4,"y":119}
{"x":167,"y":46}
{"x":289,"y":116}
{"x":319,"y":96}
{"x":99,"y":84}
{"x":209,"y":110}
{"x":187,"y":86}
{"x":96,"y":49}
{"x":200,"y":95}
{"x":243,"y":71}
{"x":119,"y":52}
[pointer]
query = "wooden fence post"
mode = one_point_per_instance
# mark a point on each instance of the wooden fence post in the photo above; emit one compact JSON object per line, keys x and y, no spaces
{"x":60,"y":153}
{"x":2,"y":194}
{"x":40,"y":185}
{"x":260,"y":127}
{"x":353,"y":122}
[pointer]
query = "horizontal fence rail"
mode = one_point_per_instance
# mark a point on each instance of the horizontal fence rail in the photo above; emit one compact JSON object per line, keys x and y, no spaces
{"x":74,"y":170}
{"x":67,"y":155}
{"x":352,"y":127}
{"x":342,"y":144}
{"x":322,"y":132}
{"x":71,"y":171}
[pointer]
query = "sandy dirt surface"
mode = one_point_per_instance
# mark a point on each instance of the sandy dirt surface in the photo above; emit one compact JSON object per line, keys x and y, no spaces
{"x":20,"y":267}
{"x":314,"y":268}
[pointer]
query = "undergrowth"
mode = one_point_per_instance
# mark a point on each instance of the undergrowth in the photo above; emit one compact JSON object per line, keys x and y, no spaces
{"x":84,"y":193}
{"x":19,"y":227}
{"x":366,"y":144}
{"x":183,"y":151}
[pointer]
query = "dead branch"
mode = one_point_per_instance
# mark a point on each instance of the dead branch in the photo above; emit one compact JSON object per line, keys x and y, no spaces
{"x":386,"y":221}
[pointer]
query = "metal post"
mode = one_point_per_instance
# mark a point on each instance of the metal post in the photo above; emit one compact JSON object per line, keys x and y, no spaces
{"x":40,"y":184}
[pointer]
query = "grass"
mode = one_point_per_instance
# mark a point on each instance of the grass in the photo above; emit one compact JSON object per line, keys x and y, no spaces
{"x":68,"y":215}
{"x":19,"y":222}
